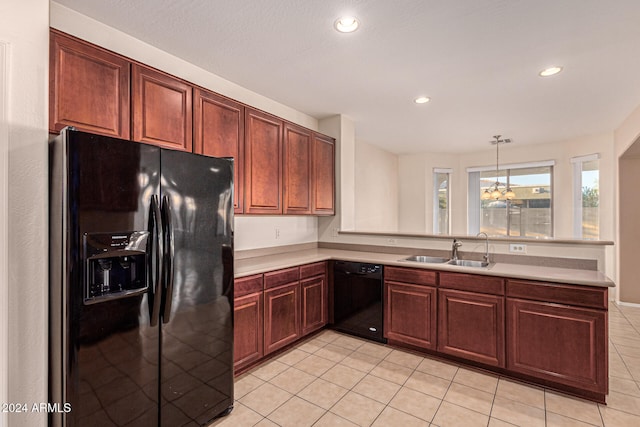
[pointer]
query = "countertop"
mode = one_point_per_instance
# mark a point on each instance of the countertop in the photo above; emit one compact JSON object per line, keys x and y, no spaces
{"x":261,"y":264}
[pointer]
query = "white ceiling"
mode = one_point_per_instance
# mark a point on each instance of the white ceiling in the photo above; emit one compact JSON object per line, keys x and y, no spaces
{"x":478,"y":60}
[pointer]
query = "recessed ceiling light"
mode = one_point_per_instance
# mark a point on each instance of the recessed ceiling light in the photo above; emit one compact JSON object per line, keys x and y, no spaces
{"x":347,"y":24}
{"x":551,"y":71}
{"x":422,"y":100}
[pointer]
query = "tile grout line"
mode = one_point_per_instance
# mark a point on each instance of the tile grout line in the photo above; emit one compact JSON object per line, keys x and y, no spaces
{"x":275,"y":385}
{"x":351,"y":390}
{"x":492,"y":403}
{"x":396,"y":393}
{"x":363,"y":369}
{"x":352,"y":351}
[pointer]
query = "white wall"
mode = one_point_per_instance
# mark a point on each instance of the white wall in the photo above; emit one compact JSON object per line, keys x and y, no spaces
{"x":626,"y":136}
{"x":376,"y":184}
{"x":628,"y":132}
{"x":23,"y":346}
{"x":415,"y":185}
{"x":415,"y":180}
{"x":269,"y":231}
{"x":4,"y":219}
{"x":561,"y":152}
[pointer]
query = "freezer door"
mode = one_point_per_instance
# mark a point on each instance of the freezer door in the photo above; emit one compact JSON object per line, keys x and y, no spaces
{"x":105,"y":353}
{"x":197,"y":330}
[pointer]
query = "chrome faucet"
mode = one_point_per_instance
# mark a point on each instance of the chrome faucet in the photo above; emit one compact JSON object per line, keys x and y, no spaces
{"x":486,"y":240}
{"x":454,"y":249}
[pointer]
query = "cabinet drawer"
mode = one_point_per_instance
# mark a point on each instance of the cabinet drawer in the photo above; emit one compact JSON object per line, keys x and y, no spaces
{"x":315,"y":269}
{"x":411,"y":275}
{"x":473,"y":283}
{"x":582,"y":296}
{"x":247,"y":285}
{"x":281,"y":277}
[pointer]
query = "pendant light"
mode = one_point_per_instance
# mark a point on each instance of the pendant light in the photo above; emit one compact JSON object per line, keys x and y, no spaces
{"x":495,"y":192}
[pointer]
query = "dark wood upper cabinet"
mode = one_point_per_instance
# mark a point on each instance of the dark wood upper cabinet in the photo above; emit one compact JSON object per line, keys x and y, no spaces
{"x":218,"y":124}
{"x":280,"y":168}
{"x":297,"y":170}
{"x":263,"y":163}
{"x":323,"y":175}
{"x":88,"y":88}
{"x":162,"y":109}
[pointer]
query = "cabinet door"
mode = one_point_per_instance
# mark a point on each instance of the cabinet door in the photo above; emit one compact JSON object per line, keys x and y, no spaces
{"x":563,"y":344}
{"x":162,"y":109}
{"x":247,"y":330}
{"x":219,"y":132}
{"x":88,"y":88}
{"x":323,"y":175}
{"x":297,"y":170}
{"x":314,"y":303}
{"x":410,"y":314}
{"x":281,"y":316}
{"x":263,"y":163}
{"x":471,"y":326}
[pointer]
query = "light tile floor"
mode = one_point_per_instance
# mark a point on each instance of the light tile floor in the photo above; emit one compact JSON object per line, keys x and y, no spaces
{"x":338,"y":380}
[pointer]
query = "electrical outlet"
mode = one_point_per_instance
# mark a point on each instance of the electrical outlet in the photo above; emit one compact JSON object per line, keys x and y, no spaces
{"x":335,"y":232}
{"x":277,"y":233}
{"x":392,"y":242}
{"x":517,"y":248}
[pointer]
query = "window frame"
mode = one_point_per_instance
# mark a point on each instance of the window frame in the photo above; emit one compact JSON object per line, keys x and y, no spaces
{"x":474,"y":203}
{"x":436,"y":201}
{"x":577,"y":163}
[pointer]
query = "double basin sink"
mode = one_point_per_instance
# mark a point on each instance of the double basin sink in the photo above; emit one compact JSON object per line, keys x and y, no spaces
{"x":438,"y":260}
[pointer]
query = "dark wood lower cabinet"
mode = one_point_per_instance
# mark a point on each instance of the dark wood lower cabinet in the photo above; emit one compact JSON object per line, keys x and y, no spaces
{"x":276,"y":308}
{"x":563,"y":344}
{"x":281,"y":316}
{"x":410,"y":314}
{"x":471,"y":326}
{"x":546,"y":333}
{"x":248,"y":318}
{"x":314,"y":303}
{"x":248,"y":333}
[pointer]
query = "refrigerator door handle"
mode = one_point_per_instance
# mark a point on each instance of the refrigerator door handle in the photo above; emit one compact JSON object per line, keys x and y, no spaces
{"x":169,"y":251}
{"x":156,"y":261}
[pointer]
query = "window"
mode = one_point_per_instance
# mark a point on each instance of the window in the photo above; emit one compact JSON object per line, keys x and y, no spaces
{"x":586,"y":196}
{"x":529,"y":214}
{"x":441,"y":201}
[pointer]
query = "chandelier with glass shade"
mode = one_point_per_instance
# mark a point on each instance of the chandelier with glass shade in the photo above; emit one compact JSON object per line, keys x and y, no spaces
{"x":494,"y":192}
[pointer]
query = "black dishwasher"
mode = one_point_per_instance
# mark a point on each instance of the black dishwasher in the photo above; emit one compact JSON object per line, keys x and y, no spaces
{"x":357,"y":299}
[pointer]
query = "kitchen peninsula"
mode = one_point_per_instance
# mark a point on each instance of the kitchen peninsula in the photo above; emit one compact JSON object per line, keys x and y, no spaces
{"x":545,"y":325}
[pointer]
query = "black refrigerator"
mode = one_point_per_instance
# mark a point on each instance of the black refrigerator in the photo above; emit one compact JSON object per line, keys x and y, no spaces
{"x":141,"y":284}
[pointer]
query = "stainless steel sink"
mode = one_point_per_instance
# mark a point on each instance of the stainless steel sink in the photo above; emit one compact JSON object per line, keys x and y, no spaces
{"x":468,"y":263}
{"x":427,"y":259}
